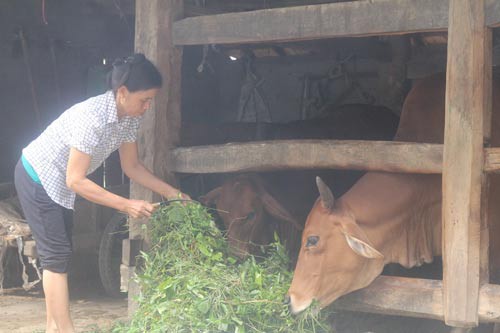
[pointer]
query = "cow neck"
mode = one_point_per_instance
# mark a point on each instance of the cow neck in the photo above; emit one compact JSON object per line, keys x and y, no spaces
{"x":399,"y":214}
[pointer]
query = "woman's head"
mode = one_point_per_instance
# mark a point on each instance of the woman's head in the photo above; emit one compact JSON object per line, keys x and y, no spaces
{"x":134,"y":72}
{"x":134,"y":81}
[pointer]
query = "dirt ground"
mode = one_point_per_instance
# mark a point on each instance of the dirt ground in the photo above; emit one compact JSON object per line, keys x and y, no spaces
{"x":92,"y":311}
{"x":22,"y":311}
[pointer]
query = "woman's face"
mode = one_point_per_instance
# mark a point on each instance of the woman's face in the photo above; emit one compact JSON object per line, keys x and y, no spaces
{"x":134,"y":104}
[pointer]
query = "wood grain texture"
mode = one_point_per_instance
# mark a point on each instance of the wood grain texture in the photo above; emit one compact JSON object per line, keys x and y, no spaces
{"x":309,"y":154}
{"x":463,"y":157}
{"x":421,"y":298}
{"x":349,"y":19}
{"x":160,"y":126}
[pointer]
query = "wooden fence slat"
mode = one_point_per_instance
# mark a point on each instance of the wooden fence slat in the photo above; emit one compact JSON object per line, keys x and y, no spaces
{"x":309,"y":154}
{"x":400,"y":296}
{"x":421,"y":298}
{"x":160,"y":126}
{"x":347,"y":19}
{"x":463,"y":160}
{"x":492,"y":13}
{"x":357,"y":18}
{"x":198,"y":159}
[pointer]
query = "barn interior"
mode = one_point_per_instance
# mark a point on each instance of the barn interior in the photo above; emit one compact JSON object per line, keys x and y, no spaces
{"x":56,"y":53}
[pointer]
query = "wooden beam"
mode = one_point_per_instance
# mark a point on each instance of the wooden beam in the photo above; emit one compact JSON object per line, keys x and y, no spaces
{"x":489,"y":299}
{"x":466,"y":95}
{"x":236,"y":157}
{"x":357,"y":18}
{"x":160,"y":126}
{"x":421,"y":298}
{"x":492,"y":13}
{"x":492,"y":159}
{"x":348,"y":19}
{"x":484,"y":268}
{"x":309,"y":154}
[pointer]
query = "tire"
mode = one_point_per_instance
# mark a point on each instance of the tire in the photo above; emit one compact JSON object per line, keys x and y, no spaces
{"x":110,"y":254}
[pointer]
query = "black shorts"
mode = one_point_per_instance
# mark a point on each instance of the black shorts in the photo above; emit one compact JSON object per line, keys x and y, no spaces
{"x":51,"y":224}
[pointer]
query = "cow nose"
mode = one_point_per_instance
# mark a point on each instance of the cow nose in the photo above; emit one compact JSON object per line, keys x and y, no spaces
{"x":286,"y":299}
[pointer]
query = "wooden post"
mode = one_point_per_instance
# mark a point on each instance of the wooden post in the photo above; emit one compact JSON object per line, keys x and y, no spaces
{"x":468,"y":93}
{"x":160,"y":126}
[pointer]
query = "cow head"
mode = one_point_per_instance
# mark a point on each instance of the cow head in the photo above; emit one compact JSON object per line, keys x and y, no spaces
{"x":249,"y":212}
{"x":336,"y":256}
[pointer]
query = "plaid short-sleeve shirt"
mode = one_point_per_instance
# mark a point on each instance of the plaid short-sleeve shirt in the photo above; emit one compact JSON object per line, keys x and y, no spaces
{"x":91,"y":127}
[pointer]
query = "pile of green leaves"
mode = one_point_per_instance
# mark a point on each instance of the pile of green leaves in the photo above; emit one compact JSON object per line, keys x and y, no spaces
{"x":190,"y":282}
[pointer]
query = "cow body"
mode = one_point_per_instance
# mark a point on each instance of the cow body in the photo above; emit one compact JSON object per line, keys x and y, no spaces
{"x":255,"y":206}
{"x":384,"y":218}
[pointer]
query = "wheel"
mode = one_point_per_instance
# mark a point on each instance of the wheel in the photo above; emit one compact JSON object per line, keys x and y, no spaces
{"x":110,"y":254}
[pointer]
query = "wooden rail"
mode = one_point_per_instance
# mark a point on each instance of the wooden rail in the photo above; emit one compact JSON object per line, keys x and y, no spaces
{"x":420,"y":298}
{"x":309,"y":154}
{"x":468,"y":109}
{"x":317,"y":154}
{"x":347,"y":19}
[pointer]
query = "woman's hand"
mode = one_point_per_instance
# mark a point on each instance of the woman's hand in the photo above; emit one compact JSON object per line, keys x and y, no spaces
{"x":138,"y":208}
{"x":178,"y":195}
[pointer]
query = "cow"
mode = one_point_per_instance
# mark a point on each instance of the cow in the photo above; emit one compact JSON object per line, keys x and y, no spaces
{"x":255,"y":206}
{"x":385,"y":217}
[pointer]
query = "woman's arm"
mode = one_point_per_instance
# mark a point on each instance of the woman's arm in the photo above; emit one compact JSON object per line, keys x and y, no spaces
{"x":134,"y":169}
{"x":77,"y":181}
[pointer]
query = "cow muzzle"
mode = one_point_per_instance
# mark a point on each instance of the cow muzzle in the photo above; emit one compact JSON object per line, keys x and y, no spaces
{"x":295,"y":306}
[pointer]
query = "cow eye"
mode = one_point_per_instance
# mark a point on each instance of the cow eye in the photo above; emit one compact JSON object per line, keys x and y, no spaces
{"x":312,"y":241}
{"x":250,"y":216}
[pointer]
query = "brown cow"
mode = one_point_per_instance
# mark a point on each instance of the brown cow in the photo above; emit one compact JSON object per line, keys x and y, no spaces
{"x":384,"y":218}
{"x":251,"y":213}
{"x":253,"y":206}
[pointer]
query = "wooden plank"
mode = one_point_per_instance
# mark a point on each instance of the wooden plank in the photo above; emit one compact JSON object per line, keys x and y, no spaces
{"x":130,"y":250}
{"x":357,"y":18}
{"x":310,"y":154}
{"x":353,"y":19}
{"x":489,"y":300}
{"x":463,"y":160}
{"x":400,"y":296}
{"x":195,"y":155}
{"x":493,"y":13}
{"x":160,"y":126}
{"x":492,"y":159}
{"x":484,"y":268}
{"x":421,"y":298}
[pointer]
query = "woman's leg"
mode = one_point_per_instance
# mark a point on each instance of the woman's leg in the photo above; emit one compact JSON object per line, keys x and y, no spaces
{"x":52,"y":234}
{"x":55,"y":286}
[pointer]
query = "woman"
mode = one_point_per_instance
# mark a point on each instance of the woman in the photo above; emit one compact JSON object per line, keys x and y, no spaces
{"x":54,"y":167}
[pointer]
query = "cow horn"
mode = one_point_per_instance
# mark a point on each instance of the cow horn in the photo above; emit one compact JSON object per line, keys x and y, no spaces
{"x":325,"y":194}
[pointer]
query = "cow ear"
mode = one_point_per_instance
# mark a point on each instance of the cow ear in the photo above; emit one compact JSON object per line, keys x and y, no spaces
{"x":325,"y":194}
{"x":273,"y":207}
{"x":211,"y":197}
{"x":359,"y":242}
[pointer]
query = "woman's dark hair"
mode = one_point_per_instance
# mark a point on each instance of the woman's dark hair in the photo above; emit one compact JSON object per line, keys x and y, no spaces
{"x":134,"y":72}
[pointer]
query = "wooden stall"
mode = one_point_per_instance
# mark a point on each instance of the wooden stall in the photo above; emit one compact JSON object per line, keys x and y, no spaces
{"x":464,"y":297}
